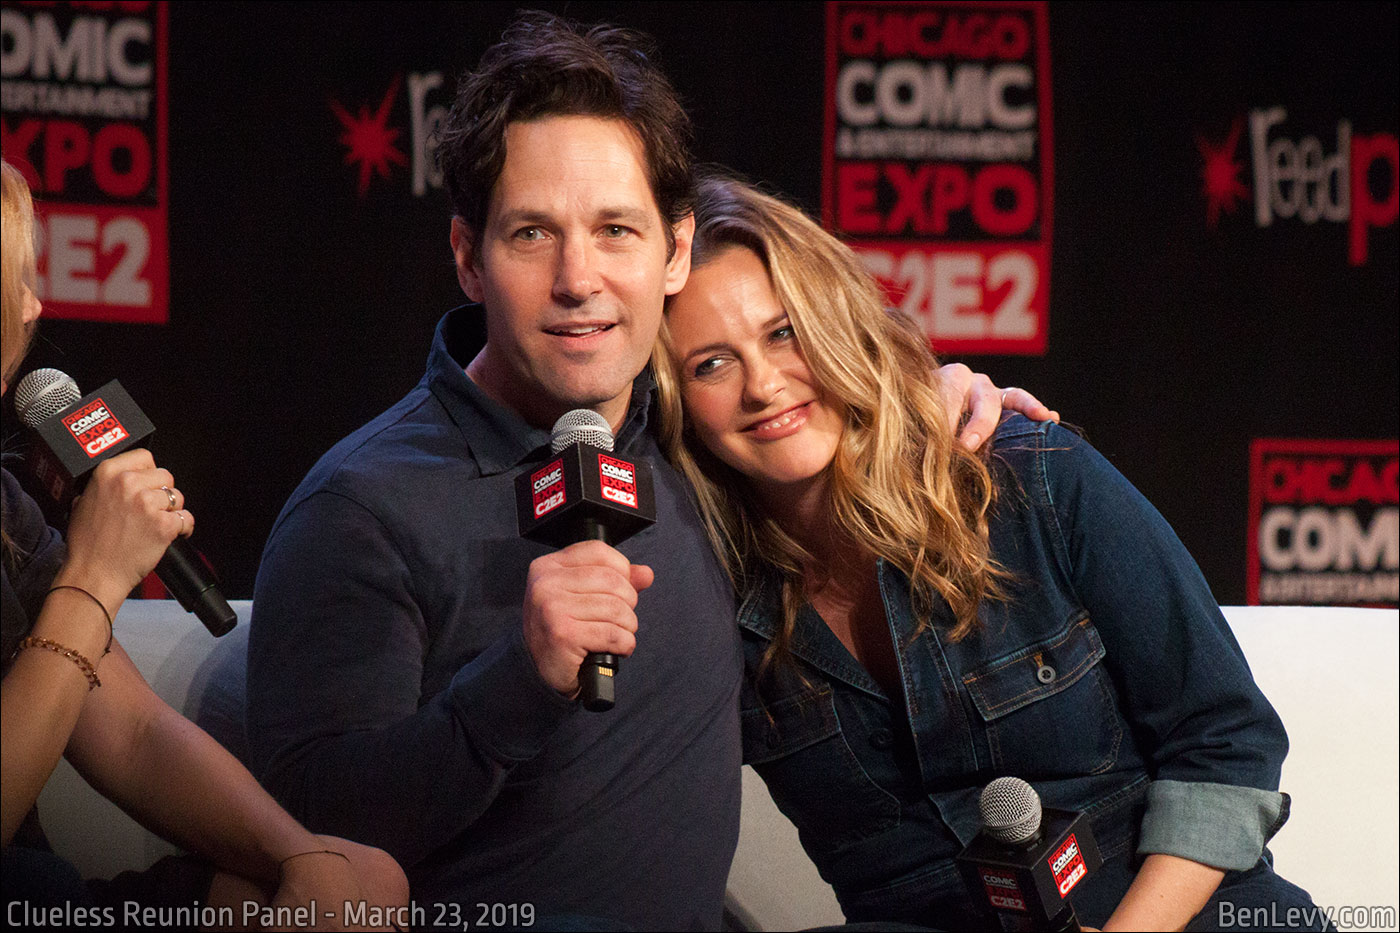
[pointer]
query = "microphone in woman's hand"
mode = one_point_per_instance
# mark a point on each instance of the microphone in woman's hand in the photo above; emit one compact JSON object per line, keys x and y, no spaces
{"x":75,"y":433}
{"x":1027,"y":859}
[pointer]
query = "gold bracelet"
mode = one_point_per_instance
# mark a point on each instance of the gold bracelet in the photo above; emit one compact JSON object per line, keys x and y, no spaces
{"x":312,"y":852}
{"x":107,"y":615}
{"x":84,"y":665}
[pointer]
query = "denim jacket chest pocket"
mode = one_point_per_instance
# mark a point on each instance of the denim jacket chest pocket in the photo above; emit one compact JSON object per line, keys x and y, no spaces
{"x":1048,"y":708}
{"x":797,"y":745}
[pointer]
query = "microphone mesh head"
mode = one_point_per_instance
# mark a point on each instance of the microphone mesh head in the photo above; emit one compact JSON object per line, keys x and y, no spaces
{"x":584,"y":425}
{"x":1010,"y":810}
{"x":43,"y":394}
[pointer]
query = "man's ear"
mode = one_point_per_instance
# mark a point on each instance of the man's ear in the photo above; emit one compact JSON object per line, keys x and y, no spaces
{"x":464,"y":252}
{"x":678,"y":268}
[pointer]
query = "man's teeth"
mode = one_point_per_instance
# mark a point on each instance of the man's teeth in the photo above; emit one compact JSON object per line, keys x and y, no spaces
{"x":580,"y":331}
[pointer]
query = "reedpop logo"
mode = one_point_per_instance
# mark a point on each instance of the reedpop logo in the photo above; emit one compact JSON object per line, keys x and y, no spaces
{"x":372,"y":143}
{"x":1356,"y":183}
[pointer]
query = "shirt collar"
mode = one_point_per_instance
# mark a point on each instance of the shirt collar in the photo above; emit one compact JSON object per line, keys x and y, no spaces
{"x":762,"y":609}
{"x":499,"y":437}
{"x":812,"y":641}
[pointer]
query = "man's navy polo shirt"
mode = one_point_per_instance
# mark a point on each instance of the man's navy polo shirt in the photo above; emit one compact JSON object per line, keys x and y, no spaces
{"x":391,"y":698}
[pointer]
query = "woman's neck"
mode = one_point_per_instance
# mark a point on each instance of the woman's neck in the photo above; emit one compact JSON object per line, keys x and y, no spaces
{"x":833,"y":564}
{"x":839,"y":578}
{"x":843,"y":587}
{"x":803,"y":511}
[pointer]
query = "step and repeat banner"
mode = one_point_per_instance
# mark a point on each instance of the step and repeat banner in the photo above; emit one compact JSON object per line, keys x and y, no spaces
{"x":1175,"y":222}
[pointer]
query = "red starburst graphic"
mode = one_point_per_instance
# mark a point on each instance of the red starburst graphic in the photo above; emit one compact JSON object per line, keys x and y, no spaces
{"x":369,"y":139}
{"x":1220,"y":174}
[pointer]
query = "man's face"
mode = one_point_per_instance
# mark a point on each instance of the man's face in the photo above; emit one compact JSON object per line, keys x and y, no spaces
{"x":572,"y":268}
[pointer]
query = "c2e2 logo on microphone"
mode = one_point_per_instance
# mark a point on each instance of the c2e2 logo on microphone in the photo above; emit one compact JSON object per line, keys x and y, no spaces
{"x":1003,"y":892}
{"x":619,"y":480}
{"x":1068,"y":865}
{"x":95,"y":427}
{"x":547,"y":485}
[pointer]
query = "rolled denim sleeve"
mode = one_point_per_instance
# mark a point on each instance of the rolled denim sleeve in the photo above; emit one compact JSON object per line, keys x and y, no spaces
{"x":339,"y":726}
{"x":1223,"y":825}
{"x":1214,"y":744}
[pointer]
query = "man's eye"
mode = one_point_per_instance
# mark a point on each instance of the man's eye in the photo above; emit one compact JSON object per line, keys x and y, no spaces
{"x":615,"y":230}
{"x":529,"y":233}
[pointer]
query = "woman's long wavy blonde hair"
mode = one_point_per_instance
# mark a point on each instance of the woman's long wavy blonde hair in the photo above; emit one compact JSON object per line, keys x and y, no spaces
{"x":900,"y":487}
{"x":16,"y":274}
{"x":16,"y":264}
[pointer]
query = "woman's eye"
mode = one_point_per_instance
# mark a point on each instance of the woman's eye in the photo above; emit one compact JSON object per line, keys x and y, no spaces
{"x":784,"y":333}
{"x":708,"y":366}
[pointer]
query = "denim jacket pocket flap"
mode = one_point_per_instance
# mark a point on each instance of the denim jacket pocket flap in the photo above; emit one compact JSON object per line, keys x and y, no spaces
{"x":789,"y":725}
{"x":1035,"y":672}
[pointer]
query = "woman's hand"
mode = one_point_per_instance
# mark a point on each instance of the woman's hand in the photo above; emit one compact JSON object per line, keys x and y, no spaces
{"x":121,"y":526}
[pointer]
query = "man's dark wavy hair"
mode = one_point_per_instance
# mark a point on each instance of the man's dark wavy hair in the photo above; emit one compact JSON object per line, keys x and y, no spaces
{"x":547,"y":66}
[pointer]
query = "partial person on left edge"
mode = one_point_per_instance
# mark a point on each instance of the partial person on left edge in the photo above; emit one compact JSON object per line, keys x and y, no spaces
{"x":69,"y":689}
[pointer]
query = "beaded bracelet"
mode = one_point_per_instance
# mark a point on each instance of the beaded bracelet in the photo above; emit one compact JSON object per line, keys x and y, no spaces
{"x":84,"y":665}
{"x":65,"y":586}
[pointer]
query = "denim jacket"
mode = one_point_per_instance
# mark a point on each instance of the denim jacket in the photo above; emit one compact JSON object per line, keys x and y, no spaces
{"x":1107,"y":678}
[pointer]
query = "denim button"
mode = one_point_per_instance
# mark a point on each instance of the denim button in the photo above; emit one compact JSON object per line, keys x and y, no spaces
{"x":1046,"y":674}
{"x":881,"y":739}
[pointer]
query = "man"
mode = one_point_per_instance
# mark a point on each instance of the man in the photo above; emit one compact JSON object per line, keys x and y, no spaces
{"x":412,"y":661}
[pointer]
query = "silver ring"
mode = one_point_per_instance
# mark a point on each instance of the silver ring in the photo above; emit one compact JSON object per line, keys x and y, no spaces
{"x":169,"y":495}
{"x":1004,"y":392}
{"x":181,"y":513}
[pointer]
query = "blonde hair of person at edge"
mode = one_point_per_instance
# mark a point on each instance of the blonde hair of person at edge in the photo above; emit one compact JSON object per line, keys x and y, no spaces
{"x":807,"y":417}
{"x":69,"y":689}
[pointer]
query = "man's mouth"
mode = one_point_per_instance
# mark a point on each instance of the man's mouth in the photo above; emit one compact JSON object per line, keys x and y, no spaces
{"x":579,"y":330}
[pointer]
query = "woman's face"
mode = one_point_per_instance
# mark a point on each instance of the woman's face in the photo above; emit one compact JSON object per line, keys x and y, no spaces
{"x":32,"y":306}
{"x":29,"y":313}
{"x":748,"y":393}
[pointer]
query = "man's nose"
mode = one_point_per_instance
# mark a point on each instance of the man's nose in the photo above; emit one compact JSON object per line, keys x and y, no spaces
{"x":576,"y":278}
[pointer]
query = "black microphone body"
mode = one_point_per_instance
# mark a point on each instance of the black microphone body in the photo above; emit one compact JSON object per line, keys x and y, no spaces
{"x":585,"y":492}
{"x":597,"y":675}
{"x":71,"y":444}
{"x":1027,"y":883}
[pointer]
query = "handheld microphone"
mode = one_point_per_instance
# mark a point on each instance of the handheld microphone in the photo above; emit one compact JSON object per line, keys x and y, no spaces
{"x":1027,"y":859}
{"x":77,"y":432}
{"x":585,"y":492}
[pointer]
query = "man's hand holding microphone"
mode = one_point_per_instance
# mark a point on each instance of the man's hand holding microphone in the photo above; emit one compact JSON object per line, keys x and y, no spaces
{"x":579,"y":601}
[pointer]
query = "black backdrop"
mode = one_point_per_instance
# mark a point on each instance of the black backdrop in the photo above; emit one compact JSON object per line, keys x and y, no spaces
{"x":299,"y":308}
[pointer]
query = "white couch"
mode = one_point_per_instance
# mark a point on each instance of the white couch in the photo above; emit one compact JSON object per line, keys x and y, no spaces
{"x":1331,"y":673}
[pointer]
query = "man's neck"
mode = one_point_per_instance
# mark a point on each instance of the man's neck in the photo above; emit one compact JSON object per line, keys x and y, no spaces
{"x":537,"y":411}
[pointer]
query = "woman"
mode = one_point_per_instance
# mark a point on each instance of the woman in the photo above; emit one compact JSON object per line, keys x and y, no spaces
{"x":919,"y":619}
{"x":69,"y":688}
